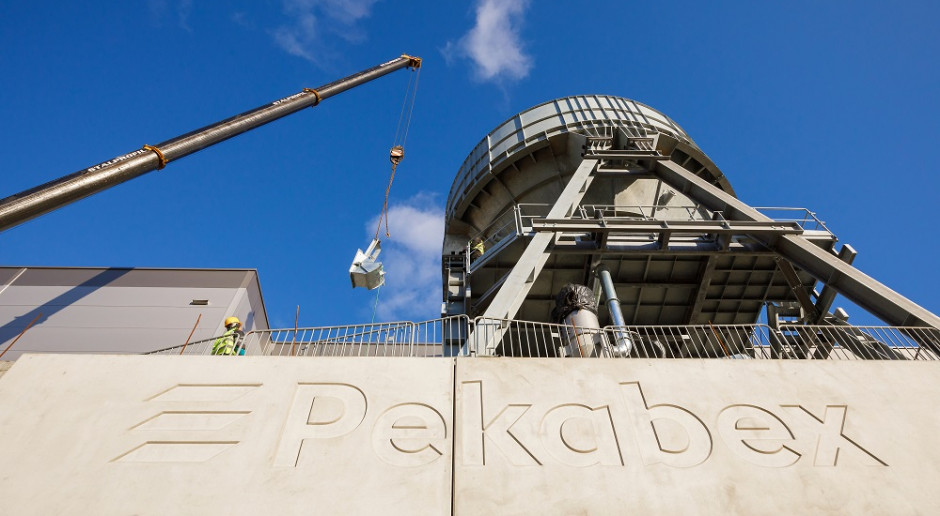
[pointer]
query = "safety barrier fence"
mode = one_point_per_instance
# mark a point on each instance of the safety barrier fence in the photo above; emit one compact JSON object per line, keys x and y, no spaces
{"x":457,"y":336}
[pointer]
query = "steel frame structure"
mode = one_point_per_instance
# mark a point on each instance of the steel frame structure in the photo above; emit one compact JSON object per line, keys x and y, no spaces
{"x":608,"y":178}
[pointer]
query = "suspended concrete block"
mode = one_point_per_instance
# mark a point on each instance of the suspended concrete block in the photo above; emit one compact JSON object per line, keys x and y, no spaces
{"x":365,"y":271}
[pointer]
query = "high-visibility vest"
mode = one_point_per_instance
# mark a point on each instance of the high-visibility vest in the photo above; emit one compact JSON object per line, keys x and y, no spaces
{"x":225,"y":345}
{"x":477,"y":247}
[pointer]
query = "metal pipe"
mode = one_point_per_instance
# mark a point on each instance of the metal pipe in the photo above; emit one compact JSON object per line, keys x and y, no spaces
{"x":623,"y":345}
{"x":31,"y":203}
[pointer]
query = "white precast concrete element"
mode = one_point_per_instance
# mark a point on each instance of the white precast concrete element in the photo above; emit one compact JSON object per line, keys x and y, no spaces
{"x":278,"y":435}
{"x":204,"y":435}
{"x":543,"y":436}
{"x":365,"y":270}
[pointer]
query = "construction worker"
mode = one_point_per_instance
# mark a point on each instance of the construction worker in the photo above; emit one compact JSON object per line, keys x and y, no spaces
{"x":230,"y":343}
{"x":476,"y":248}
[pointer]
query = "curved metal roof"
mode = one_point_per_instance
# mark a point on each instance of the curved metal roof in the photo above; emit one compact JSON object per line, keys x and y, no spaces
{"x":584,"y":114}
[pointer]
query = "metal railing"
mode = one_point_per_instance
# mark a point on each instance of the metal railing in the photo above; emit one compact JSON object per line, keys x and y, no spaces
{"x":855,"y":342}
{"x":504,"y":229}
{"x":199,"y":347}
{"x":532,"y":339}
{"x":513,"y":338}
{"x":527,"y":212}
{"x":694,"y":341}
{"x":643,"y":212}
{"x":438,"y":337}
{"x":384,"y":339}
{"x":805,"y":218}
{"x":519,"y":219}
{"x":733,"y":341}
{"x":457,"y":336}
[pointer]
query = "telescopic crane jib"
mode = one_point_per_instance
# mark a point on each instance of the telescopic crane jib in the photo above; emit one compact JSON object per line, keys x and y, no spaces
{"x":28,"y":204}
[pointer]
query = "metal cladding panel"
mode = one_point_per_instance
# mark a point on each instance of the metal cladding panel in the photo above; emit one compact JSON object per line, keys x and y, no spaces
{"x":133,"y":277}
{"x":110,"y":316}
{"x":106,"y":340}
{"x":60,"y":296}
{"x":549,"y":119}
{"x":122,"y":310}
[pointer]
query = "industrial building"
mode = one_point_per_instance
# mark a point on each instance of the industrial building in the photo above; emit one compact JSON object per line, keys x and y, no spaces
{"x":619,"y":333}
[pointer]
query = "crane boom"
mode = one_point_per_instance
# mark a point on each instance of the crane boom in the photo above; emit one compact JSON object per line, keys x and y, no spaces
{"x":31,"y":203}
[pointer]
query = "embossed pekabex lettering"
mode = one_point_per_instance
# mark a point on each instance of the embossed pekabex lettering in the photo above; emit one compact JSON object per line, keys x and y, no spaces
{"x":666,"y":433}
{"x":620,"y":427}
{"x":824,"y":438}
{"x":319,"y":411}
{"x":410,"y":434}
{"x":580,"y":435}
{"x":757,"y":435}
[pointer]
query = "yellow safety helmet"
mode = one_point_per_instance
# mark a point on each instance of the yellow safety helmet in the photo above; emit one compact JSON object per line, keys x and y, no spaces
{"x":232,"y":320}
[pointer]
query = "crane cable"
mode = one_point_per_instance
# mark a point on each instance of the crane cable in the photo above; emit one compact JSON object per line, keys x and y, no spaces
{"x":397,"y":152}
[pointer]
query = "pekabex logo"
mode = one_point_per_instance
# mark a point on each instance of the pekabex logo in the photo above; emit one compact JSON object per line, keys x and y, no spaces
{"x":580,"y":435}
{"x":320,"y":414}
{"x":405,"y":434}
{"x":626,"y":430}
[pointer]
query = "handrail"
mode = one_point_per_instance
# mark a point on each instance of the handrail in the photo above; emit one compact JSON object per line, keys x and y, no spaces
{"x":458,"y":336}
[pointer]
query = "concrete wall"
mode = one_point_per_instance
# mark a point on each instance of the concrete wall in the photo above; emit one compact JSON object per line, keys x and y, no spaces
{"x":265,"y":435}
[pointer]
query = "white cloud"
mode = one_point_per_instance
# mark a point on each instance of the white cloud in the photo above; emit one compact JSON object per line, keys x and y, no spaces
{"x":494,"y":44}
{"x":159,"y":11}
{"x":412,"y":260}
{"x":157,"y":8}
{"x":183,"y":10}
{"x":310,"y":20}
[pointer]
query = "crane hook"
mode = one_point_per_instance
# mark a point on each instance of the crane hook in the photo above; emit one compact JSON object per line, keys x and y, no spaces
{"x":396,"y":154}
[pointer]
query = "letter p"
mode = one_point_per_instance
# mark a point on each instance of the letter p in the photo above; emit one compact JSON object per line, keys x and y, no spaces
{"x":319,"y":411}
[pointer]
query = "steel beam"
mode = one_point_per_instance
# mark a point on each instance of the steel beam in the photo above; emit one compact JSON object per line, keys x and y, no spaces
{"x":828,"y":295}
{"x":624,"y":173}
{"x":861,"y":289}
{"x":624,"y":154}
{"x":671,"y":227}
{"x":798,"y":289}
{"x":706,"y":271}
{"x":514,"y":290}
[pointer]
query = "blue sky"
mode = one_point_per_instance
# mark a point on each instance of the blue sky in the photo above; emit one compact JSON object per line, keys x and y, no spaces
{"x":827,"y":105}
